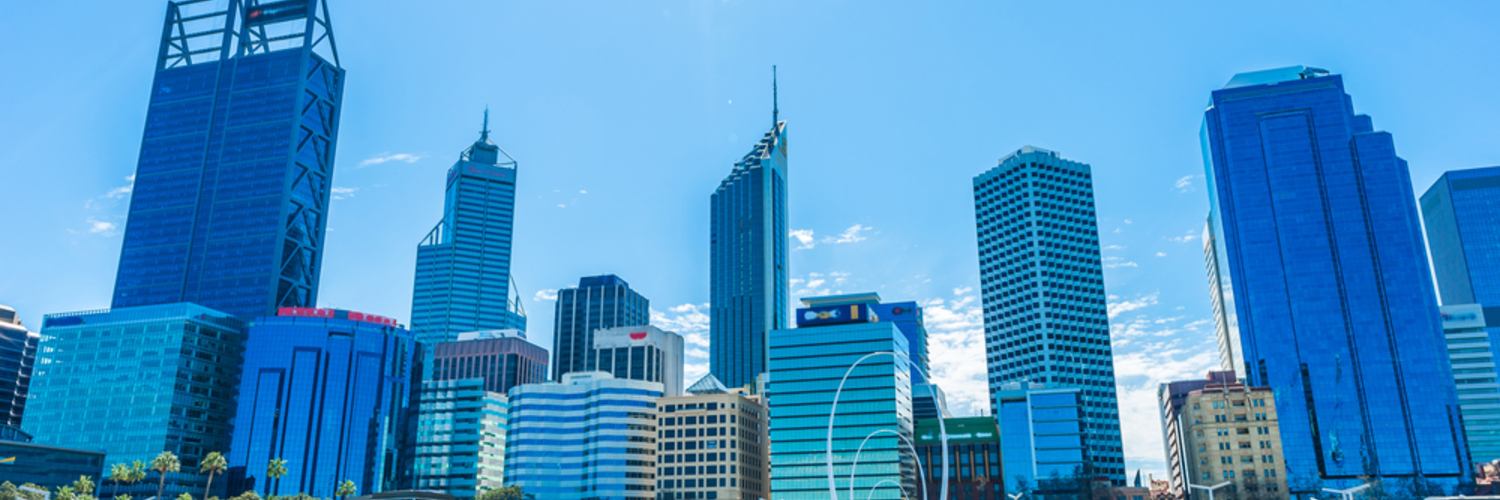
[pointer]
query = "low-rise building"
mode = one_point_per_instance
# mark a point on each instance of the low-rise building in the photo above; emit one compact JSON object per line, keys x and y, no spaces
{"x":1230,"y":434}
{"x":460,"y":437}
{"x":592,"y":436}
{"x":712,"y":445}
{"x":1042,"y":441}
{"x":503,"y":358}
{"x":640,"y":352}
{"x":974,"y":468}
{"x":1468,"y":329}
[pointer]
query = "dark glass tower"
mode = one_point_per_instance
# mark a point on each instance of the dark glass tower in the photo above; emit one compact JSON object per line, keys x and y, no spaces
{"x":500,"y":358}
{"x":1462,"y":215}
{"x":598,"y":302}
{"x":1333,"y":297}
{"x":748,"y":260}
{"x":463,"y":281}
{"x":232,"y":186}
{"x":1043,"y":291}
{"x":17,"y":358}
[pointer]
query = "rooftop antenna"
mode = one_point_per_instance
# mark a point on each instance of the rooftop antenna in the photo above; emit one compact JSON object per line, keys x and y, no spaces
{"x":484,"y":134}
{"x":774,"y":109}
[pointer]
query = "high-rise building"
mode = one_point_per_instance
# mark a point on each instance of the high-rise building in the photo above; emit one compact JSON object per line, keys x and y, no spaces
{"x":1332,"y":293}
{"x":17,"y":358}
{"x":1229,"y":432}
{"x":502,"y":358}
{"x":598,"y":302}
{"x":640,"y":353}
{"x":1461,"y":212}
{"x":1043,"y":290}
{"x":973,"y":460}
{"x":460,"y":438}
{"x":713,"y":444}
{"x":463,"y":281}
{"x":330,"y":392}
{"x":807,"y":366}
{"x":134,"y":382}
{"x":1175,"y":424}
{"x":928,"y":402}
{"x":591,"y":436}
{"x":1221,"y":298}
{"x":927,"y":399}
{"x":231,"y":191}
{"x":748,"y":287}
{"x":1044,"y":446}
{"x":1469,"y":329}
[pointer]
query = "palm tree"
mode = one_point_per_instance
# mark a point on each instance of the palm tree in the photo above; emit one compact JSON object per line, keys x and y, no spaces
{"x":164,"y":463}
{"x":212,"y":464}
{"x":118,"y":473}
{"x":67,"y":493}
{"x":137,"y":472}
{"x":122,"y":497}
{"x":346,"y":488}
{"x":185,"y":496}
{"x":84,"y":485}
{"x":275,"y":470}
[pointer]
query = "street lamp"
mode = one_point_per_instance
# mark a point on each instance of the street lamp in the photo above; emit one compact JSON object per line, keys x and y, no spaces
{"x":1210,"y":489}
{"x":1347,"y":494}
{"x":833,"y":493}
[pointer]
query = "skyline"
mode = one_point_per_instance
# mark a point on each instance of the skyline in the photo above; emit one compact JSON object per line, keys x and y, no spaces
{"x":851,"y":229}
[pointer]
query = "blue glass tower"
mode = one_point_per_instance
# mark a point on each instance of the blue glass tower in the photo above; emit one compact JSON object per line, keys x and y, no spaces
{"x":598,"y":302}
{"x":463,"y":279}
{"x":232,"y":186}
{"x":17,"y":359}
{"x":329,"y":392}
{"x":1043,"y":291}
{"x":1333,"y":297}
{"x":1462,"y":215}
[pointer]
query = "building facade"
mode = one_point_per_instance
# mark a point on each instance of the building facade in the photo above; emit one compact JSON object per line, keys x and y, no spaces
{"x":1231,"y":434}
{"x":592,"y":436}
{"x":1043,"y":441}
{"x":927,"y":399}
{"x":712,"y":445}
{"x":974,"y":470}
{"x":1332,"y":292}
{"x":640,"y":353}
{"x":463,"y":280}
{"x":1221,"y":299}
{"x":330,"y":392}
{"x":807,"y":365}
{"x":598,"y":302}
{"x":48,"y":466}
{"x":230,"y":204}
{"x":502,"y":358}
{"x":17,"y":359}
{"x":748,"y":287}
{"x":1045,"y":318}
{"x":1175,"y":424}
{"x":1473,"y":334}
{"x":460,"y":437}
{"x":134,"y":382}
{"x":1461,"y":212}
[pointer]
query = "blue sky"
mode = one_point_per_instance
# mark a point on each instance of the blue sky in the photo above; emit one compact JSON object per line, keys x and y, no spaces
{"x":626,"y":115}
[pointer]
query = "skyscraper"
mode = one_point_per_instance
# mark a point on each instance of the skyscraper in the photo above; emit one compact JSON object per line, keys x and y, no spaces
{"x":330,"y":392}
{"x":17,"y":358}
{"x":232,"y":186}
{"x":598,"y":302}
{"x":1469,"y":330}
{"x":1332,"y":292}
{"x":463,"y":281}
{"x":1221,"y":298}
{"x":1044,"y":302}
{"x":503,"y":359}
{"x":1462,"y":215}
{"x":748,"y":260}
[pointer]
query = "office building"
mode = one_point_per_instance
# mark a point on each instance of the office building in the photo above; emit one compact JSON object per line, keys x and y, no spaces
{"x":134,"y":382}
{"x":17,"y":358}
{"x":1229,"y":433}
{"x":974,"y":465}
{"x":640,"y":353}
{"x":807,"y":365}
{"x":463,"y":280}
{"x":46,"y":466}
{"x":230,"y":204}
{"x":713,"y":445}
{"x":1175,"y":423}
{"x":928,"y":401}
{"x":1221,"y":299}
{"x":598,"y":302}
{"x":1045,"y":317}
{"x":1461,"y":212}
{"x":1332,"y":293}
{"x":329,"y":391}
{"x":748,"y":259}
{"x":502,"y":358}
{"x":1043,"y":441}
{"x":1469,"y":328}
{"x":460,"y":437}
{"x":590,"y":436}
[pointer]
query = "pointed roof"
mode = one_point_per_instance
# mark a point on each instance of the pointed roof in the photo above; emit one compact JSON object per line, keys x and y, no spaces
{"x":707,"y":385}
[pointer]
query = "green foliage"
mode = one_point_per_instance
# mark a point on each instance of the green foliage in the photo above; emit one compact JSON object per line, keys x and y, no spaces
{"x":185,"y":496}
{"x":84,"y":485}
{"x":503,"y":493}
{"x":248,"y":495}
{"x":346,"y":489}
{"x":122,"y":497}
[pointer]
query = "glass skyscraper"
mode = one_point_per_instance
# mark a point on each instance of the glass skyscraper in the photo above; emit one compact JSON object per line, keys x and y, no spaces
{"x":1462,"y":215}
{"x":463,"y":281}
{"x":503,"y":359}
{"x":598,"y":302}
{"x":460,"y":438}
{"x":17,"y":359}
{"x":134,"y":382}
{"x":330,"y":392}
{"x":232,"y":186}
{"x":1045,"y":318}
{"x":1473,"y":335}
{"x":1333,"y":296}
{"x":748,"y":260}
{"x":590,"y":437}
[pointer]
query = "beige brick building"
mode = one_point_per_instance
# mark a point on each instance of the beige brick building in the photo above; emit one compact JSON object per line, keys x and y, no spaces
{"x":712,"y":445}
{"x":1230,"y":434}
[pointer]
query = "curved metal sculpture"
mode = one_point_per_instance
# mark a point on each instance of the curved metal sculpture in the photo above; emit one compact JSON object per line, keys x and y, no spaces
{"x":877,"y":485}
{"x":909,"y":445}
{"x":833,"y":491}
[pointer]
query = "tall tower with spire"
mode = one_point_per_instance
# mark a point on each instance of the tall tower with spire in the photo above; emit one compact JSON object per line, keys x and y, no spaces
{"x":748,"y":294}
{"x":463,"y":280}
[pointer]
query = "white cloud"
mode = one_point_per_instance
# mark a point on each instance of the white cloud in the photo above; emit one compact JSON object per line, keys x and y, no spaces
{"x":1161,"y":254}
{"x":1185,"y":184}
{"x":690,"y":321}
{"x":804,"y":238}
{"x":964,"y":290}
{"x":114,"y":194}
{"x":386,"y":157}
{"x":96,"y":227}
{"x":547,"y":294}
{"x":1114,"y":247}
{"x":1127,"y":221}
{"x":1119,"y":307}
{"x":1186,"y":237}
{"x":854,"y":234}
{"x":1112,"y":262}
{"x":955,"y":343}
{"x":582,"y":192}
{"x":340,"y":193}
{"x":559,"y":205}
{"x":819,"y":284}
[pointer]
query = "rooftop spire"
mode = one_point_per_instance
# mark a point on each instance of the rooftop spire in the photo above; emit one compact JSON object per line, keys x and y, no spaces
{"x":484,"y":134}
{"x":774,"y":109}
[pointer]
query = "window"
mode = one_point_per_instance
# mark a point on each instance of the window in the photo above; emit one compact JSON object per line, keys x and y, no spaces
{"x":1228,"y":474}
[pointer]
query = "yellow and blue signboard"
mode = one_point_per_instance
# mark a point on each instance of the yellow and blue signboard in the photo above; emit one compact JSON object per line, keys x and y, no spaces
{"x":835,"y":315}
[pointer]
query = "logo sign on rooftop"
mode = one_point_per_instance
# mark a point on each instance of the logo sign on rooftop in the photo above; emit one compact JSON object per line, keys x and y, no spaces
{"x":637,"y":335}
{"x":276,"y":11}
{"x":316,"y":312}
{"x":835,"y":315}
